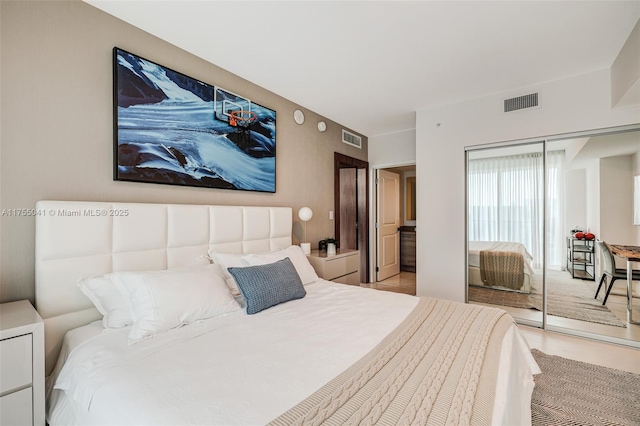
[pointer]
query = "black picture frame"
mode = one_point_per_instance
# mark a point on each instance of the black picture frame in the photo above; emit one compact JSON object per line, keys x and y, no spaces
{"x":167,"y":130}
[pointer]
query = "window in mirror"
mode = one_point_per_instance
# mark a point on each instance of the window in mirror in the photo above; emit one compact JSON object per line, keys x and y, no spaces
{"x":505,"y":204}
{"x":505,"y":228}
{"x":562,"y":200}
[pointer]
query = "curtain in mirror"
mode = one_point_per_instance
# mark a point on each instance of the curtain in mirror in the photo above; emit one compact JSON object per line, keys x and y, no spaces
{"x":506,"y":202}
{"x":525,"y":198}
{"x":556,"y":233}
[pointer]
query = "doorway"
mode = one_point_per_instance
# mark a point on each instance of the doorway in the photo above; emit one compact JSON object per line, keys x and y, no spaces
{"x":351,"y":199}
{"x":395,"y":223}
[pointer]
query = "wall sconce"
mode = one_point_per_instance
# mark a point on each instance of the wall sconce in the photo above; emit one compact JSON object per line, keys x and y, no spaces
{"x":305,"y":214}
{"x":322,"y":126}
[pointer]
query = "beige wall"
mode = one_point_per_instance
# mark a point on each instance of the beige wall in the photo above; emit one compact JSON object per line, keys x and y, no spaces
{"x":592,"y":194}
{"x":575,"y":190}
{"x":393,"y":149}
{"x":57,"y":138}
{"x":625,"y":72}
{"x":616,"y":199}
{"x":616,"y":202}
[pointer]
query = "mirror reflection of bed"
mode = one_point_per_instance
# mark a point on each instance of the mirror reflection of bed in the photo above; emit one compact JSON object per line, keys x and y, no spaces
{"x":506,"y":211}
{"x":588,"y":179}
{"x":500,"y":265}
{"x":505,"y":227}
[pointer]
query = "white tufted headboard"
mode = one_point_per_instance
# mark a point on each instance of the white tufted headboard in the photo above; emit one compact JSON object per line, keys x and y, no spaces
{"x":78,"y":239}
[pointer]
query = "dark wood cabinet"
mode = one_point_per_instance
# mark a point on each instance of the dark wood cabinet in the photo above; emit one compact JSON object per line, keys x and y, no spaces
{"x":408,"y":248}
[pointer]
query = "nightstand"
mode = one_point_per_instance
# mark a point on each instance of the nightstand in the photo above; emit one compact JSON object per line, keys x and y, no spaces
{"x":343,"y":267}
{"x":21,"y":365}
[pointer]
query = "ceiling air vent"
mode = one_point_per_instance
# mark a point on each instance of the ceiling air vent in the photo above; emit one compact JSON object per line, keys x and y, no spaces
{"x":521,"y":102}
{"x":351,"y":139}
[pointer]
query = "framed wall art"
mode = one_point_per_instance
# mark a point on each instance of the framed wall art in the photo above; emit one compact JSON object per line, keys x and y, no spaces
{"x":172,"y":129}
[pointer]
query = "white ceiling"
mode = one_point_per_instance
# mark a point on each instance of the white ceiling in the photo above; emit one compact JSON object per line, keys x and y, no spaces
{"x":370,"y":65}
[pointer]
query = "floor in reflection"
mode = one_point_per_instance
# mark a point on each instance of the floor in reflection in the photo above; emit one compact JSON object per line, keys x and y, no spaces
{"x":617,"y":304}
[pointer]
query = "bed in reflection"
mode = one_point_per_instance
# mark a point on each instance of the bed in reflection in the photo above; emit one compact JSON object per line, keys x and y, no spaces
{"x":500,"y":265}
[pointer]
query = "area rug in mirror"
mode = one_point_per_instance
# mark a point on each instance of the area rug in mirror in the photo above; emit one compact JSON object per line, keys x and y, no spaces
{"x":567,"y":298}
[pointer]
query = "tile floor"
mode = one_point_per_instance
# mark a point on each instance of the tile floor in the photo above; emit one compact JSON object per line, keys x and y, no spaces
{"x":586,"y":350}
{"x":405,"y":282}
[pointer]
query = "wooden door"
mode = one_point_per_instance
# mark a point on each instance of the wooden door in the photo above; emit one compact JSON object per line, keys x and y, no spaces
{"x":388,"y":224}
{"x":348,"y":209}
{"x":361,"y":199}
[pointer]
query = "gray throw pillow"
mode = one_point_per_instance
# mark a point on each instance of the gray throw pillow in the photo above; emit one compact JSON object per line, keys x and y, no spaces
{"x":264,"y":286}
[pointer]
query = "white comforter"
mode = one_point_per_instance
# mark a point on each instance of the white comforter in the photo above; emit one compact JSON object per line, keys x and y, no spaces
{"x":245,"y":369}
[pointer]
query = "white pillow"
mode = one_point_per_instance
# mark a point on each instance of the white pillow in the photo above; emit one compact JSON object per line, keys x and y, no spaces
{"x":164,"y":300}
{"x":110,"y":302}
{"x":228,"y":260}
{"x":107,"y":300}
{"x":297,"y":257}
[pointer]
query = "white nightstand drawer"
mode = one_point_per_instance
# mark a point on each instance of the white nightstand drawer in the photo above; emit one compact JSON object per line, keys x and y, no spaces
{"x":21,"y":365}
{"x":16,"y":363}
{"x":16,"y":409}
{"x":335,"y":268}
{"x":351,"y":279}
{"x":353,"y":263}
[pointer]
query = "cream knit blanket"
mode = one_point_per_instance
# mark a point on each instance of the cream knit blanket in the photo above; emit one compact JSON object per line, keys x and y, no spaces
{"x":503,"y":265}
{"x":438,"y":367}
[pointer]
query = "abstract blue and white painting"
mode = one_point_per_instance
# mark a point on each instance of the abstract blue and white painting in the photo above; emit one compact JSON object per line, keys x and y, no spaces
{"x":170,"y":130}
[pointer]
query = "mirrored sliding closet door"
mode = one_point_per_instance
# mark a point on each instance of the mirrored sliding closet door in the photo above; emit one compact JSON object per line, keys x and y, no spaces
{"x":505,"y":228}
{"x":550,"y":227}
{"x":590,"y":213}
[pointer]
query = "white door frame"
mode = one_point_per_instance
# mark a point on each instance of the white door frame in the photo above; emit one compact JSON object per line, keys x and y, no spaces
{"x":373,"y":202}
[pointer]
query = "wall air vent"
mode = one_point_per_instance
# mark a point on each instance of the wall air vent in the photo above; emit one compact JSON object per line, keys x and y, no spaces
{"x":521,"y":102}
{"x":351,"y":139}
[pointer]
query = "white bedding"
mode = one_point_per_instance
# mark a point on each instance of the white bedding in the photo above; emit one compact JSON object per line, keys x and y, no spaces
{"x":244,"y":369}
{"x":475,"y":247}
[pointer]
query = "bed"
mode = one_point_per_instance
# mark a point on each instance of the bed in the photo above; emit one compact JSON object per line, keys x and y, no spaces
{"x":500,"y":265}
{"x":336,"y":355}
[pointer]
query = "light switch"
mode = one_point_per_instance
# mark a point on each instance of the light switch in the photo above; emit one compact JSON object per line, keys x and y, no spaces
{"x":330,"y":214}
